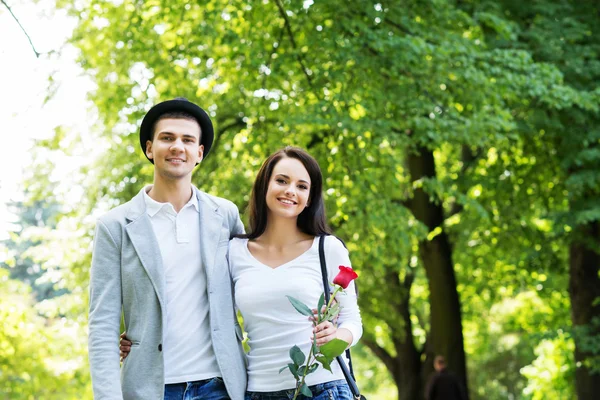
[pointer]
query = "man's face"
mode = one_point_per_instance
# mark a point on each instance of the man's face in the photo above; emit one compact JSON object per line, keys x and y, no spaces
{"x":176,"y":147}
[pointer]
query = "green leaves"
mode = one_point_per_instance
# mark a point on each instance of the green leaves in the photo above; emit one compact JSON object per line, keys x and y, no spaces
{"x":298,"y":359}
{"x":32,"y":345}
{"x":333,"y":348}
{"x":331,"y":313}
{"x":320,"y":306}
{"x":300,"y":306}
{"x":307,"y":369}
{"x":293,"y":369}
{"x":323,"y":355}
{"x":305,"y":390}
{"x":297,"y":355}
{"x":325,"y":362}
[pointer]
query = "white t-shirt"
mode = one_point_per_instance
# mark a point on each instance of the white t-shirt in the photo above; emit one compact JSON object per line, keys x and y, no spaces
{"x":187,"y":344}
{"x":272,"y":323}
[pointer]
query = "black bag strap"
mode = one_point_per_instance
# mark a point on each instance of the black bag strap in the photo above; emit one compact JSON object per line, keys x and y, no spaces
{"x":348,"y":374}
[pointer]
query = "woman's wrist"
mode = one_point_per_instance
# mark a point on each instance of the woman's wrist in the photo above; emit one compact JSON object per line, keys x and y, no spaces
{"x":345,"y":335}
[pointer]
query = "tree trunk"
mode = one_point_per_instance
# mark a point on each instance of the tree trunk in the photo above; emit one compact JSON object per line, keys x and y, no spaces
{"x":405,"y":365}
{"x":408,"y":379}
{"x":584,"y":288}
{"x":436,"y":255}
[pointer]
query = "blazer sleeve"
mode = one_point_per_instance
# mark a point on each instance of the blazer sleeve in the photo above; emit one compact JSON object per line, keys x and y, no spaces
{"x":105,"y":315}
{"x":232,"y":245}
{"x":235,"y":223}
{"x":349,"y":318}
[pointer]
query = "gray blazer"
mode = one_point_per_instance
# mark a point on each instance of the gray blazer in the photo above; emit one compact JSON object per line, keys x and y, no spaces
{"x":127,"y":279}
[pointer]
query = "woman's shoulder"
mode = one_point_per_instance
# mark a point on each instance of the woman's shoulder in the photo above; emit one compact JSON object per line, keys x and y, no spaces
{"x":236,"y":251}
{"x":237,"y":241}
{"x":334,"y":244}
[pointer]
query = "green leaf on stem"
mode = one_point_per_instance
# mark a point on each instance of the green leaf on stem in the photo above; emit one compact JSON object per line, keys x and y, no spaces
{"x":307,"y":369}
{"x":325,"y":362}
{"x":294,"y":370}
{"x":301,"y":370}
{"x":300,"y":306}
{"x":334,"y":348}
{"x":333,"y":311}
{"x":320,"y":306}
{"x":305,"y":390}
{"x":297,"y":356}
{"x":315,"y":348}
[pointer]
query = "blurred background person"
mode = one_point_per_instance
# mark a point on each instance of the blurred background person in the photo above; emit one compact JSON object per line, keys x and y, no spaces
{"x":442,"y":384}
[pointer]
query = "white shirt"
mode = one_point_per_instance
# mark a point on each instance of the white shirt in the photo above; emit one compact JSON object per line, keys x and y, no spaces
{"x":187,"y":345}
{"x":273,"y":325}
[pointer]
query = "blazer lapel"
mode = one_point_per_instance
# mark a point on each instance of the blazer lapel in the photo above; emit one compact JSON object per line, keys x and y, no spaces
{"x":210,"y":229}
{"x":144,"y":242}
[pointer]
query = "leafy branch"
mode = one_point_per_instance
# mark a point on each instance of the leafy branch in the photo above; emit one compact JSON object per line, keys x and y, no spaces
{"x":37,"y":54}
{"x":323,"y":355}
{"x":288,"y":27}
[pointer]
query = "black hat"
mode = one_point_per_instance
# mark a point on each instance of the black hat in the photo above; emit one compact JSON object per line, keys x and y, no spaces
{"x":183,"y":105}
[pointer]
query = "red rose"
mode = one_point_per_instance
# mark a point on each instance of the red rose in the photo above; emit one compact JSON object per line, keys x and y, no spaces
{"x":344,"y":277}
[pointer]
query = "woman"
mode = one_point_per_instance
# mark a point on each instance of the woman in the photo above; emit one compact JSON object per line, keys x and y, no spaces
{"x":279,"y":257}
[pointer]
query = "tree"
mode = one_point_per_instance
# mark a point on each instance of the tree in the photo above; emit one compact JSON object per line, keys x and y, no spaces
{"x":40,"y":356}
{"x":32,"y":219}
{"x":562,"y":34}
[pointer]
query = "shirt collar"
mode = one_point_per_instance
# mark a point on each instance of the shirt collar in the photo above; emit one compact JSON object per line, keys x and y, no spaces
{"x":153,"y":206}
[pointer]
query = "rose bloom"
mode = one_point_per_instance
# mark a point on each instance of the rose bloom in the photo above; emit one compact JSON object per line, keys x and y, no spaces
{"x":345,"y":276}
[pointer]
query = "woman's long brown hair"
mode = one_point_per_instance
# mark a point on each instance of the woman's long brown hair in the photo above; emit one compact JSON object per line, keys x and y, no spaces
{"x":312,"y":219}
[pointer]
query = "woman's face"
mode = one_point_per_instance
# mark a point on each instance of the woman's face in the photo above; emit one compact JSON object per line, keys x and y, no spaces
{"x":289,"y":188}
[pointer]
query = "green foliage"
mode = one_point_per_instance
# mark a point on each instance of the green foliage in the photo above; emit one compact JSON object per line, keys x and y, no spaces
{"x":41,"y":351}
{"x":40,"y":357}
{"x":551,"y":374}
{"x":504,"y":346}
{"x":35,"y":221}
{"x":373,"y":379}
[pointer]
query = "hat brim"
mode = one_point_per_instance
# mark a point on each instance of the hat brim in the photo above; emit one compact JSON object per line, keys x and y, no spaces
{"x":206,"y":127}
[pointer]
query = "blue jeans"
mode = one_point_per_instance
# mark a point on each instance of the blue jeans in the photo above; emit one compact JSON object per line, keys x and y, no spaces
{"x":208,"y":389}
{"x":334,"y":390}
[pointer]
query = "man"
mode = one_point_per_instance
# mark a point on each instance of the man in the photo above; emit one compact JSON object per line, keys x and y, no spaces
{"x":442,"y":384}
{"x":159,"y":261}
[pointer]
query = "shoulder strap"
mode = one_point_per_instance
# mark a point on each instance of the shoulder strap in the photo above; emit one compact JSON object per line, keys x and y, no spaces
{"x":349,"y":375}
{"x":324,"y":268}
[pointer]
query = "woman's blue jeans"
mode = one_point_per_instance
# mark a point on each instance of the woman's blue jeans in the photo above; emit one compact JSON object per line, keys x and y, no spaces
{"x":334,"y":390}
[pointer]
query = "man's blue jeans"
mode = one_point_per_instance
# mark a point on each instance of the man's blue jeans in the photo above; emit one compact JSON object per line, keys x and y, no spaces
{"x":208,"y":389}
